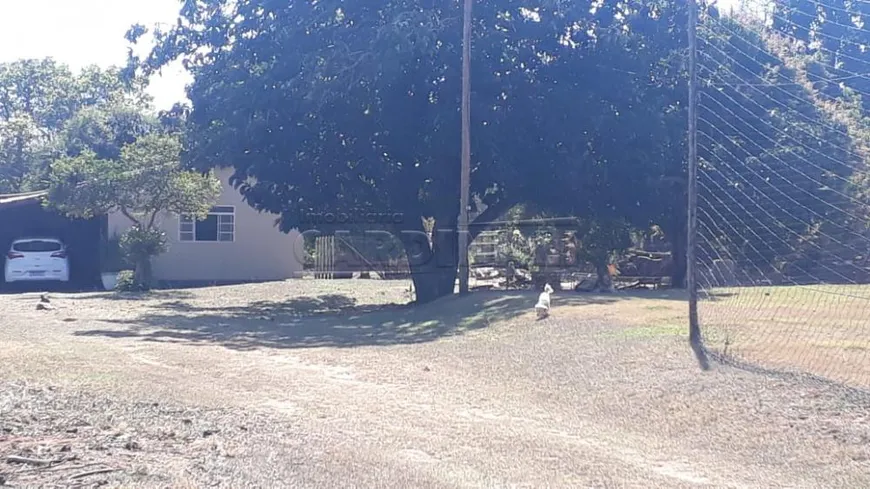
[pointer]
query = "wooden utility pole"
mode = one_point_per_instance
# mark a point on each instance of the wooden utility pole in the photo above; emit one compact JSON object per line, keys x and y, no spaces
{"x":465,"y":176}
{"x":692,"y":231}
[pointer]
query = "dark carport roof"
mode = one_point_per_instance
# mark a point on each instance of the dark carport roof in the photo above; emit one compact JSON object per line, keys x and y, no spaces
{"x":10,"y":199}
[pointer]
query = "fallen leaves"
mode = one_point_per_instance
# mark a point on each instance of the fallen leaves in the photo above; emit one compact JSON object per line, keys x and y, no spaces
{"x":57,"y":438}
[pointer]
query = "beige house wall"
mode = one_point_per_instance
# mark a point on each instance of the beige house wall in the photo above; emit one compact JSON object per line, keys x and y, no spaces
{"x":259,"y":250}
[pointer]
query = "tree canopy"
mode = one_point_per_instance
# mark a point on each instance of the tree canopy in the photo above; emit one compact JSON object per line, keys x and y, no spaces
{"x":784,"y":154}
{"x":38,"y":99}
{"x":580,"y":109}
{"x":836,"y":33}
{"x":363,"y":111}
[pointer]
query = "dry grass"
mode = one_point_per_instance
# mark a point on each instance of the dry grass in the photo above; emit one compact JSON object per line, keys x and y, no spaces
{"x":820,"y":330}
{"x":823,"y":330}
{"x":339,"y":384}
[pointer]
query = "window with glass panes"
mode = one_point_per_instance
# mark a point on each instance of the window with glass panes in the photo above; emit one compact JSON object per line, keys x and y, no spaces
{"x":219,"y":225}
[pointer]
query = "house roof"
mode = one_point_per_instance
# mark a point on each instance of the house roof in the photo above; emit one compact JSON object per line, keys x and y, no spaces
{"x":10,"y":199}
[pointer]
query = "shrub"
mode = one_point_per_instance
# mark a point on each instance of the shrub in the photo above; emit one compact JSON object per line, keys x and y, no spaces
{"x":140,"y":245}
{"x":127,"y":282}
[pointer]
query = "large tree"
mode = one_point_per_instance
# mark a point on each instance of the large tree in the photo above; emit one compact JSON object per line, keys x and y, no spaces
{"x":362,"y":111}
{"x":604,"y":124}
{"x":22,"y":148}
{"x":105,"y":130}
{"x":782,"y":162}
{"x":838,"y":32}
{"x":38,"y":98}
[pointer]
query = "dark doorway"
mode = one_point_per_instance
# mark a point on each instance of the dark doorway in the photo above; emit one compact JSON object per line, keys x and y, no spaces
{"x":81,"y":236}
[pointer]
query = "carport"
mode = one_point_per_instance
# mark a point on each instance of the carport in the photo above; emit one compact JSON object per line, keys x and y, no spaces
{"x":24,"y":215}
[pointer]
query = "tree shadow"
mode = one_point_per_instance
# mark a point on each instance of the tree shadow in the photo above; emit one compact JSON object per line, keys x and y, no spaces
{"x":297,"y":306}
{"x":654,"y":294}
{"x":19,"y":288}
{"x":328,"y":320}
{"x":137,"y":296}
{"x":84,"y":295}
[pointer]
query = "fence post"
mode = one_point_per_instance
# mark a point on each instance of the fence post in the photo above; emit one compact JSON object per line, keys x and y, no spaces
{"x":465,"y":173}
{"x":692,"y":191}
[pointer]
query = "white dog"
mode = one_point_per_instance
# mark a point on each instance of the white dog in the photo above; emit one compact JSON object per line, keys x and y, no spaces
{"x":543,"y":305}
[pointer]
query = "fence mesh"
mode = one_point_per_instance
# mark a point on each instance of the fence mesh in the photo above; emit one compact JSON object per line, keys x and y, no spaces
{"x":783,"y":246}
{"x":525,"y":252}
{"x":569,"y":253}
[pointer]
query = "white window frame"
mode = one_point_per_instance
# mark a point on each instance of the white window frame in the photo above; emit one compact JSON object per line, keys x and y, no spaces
{"x":220,"y":211}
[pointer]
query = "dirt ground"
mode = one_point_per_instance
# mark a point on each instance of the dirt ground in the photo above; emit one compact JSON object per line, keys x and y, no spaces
{"x":328,"y":384}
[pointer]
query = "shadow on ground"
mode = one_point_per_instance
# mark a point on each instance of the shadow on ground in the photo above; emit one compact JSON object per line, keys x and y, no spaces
{"x":40,"y":287}
{"x":139,"y":296}
{"x":83,"y":295}
{"x":335,"y":320}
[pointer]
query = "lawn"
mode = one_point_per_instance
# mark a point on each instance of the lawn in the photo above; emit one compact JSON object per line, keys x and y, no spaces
{"x":324,"y":384}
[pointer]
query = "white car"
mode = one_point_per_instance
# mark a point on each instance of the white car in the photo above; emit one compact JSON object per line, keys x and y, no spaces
{"x":37,"y":259}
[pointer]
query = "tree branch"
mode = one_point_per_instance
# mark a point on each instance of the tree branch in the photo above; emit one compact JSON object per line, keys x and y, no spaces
{"x":153,"y":217}
{"x":480,"y":223}
{"x":129,"y":216}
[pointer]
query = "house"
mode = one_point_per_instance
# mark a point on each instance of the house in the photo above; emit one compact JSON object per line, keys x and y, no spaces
{"x":235,"y":243}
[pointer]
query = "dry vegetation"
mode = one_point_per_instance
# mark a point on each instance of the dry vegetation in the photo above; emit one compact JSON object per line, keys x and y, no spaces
{"x":823,"y":330}
{"x":54,"y":438}
{"x":340,"y":384}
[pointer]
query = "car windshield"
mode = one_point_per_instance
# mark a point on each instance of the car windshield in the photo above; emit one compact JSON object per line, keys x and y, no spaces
{"x":36,"y":245}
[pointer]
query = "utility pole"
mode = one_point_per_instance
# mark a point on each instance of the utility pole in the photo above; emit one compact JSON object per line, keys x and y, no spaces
{"x":692,"y":191}
{"x":465,"y":176}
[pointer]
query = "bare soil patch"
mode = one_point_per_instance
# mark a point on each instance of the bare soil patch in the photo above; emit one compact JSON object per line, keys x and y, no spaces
{"x":54,"y":437}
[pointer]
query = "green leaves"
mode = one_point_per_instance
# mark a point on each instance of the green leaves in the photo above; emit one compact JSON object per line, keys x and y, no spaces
{"x":105,"y":130}
{"x":346,"y":105}
{"x":145,"y":181}
{"x":600,"y":239}
{"x":41,"y":108}
{"x":81,"y":186}
{"x":140,"y":244}
{"x":22,"y":152}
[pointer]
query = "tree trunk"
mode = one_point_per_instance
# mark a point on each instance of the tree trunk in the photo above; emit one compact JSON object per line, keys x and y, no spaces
{"x":446,"y":250}
{"x":482,"y":221}
{"x":142,"y":275}
{"x":425,"y":283}
{"x":603,"y":281}
{"x":433,"y":268}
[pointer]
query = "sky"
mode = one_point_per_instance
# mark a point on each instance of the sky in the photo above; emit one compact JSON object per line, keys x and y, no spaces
{"x":84,"y":32}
